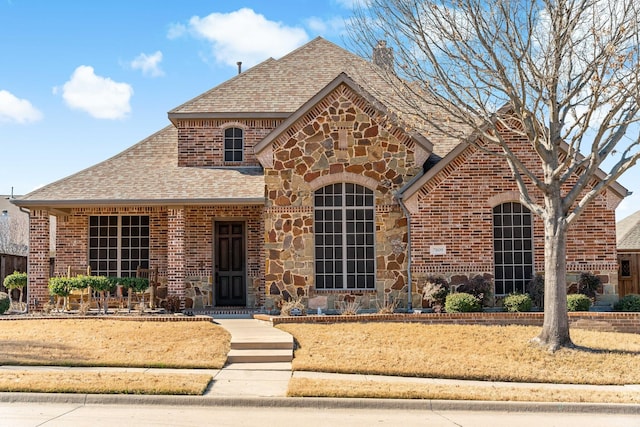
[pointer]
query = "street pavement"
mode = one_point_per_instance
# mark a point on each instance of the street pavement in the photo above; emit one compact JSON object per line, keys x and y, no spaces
{"x":98,"y":415}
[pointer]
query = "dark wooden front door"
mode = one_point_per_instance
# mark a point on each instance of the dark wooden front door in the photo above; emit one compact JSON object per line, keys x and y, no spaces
{"x":230,"y":264}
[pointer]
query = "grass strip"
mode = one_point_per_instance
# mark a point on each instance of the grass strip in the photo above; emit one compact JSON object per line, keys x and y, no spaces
{"x":104,"y":342}
{"x":306,"y":387}
{"x":104,"y":383}
{"x":471,"y":352}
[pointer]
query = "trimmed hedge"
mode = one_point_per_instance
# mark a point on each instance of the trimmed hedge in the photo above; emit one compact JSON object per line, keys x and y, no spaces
{"x":462,"y":302}
{"x":516,"y":303}
{"x":578,"y":302}
{"x":629,"y":302}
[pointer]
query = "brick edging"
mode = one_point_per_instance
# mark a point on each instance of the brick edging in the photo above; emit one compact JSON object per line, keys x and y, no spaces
{"x":628,"y":322}
{"x":132,"y":318}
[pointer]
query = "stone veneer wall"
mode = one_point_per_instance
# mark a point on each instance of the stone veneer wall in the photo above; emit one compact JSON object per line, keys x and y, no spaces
{"x":341,"y":139}
{"x":455,"y":208}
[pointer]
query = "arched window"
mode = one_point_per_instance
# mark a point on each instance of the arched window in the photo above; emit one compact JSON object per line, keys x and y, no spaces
{"x":233,"y":144}
{"x":512,"y":248}
{"x":344,"y":237}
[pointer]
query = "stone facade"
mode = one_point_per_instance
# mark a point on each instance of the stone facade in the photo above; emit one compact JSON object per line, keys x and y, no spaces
{"x":341,"y":139}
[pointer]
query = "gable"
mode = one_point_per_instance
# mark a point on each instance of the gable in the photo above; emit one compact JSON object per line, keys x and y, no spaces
{"x":340,"y":123}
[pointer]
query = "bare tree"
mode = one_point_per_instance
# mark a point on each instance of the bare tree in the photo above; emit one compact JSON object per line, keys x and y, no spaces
{"x":563,"y":74}
{"x":14,"y":234}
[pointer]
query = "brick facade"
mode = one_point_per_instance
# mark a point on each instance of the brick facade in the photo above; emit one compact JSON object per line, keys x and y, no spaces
{"x":202,"y":141}
{"x":455,"y":209}
{"x":181,"y":246}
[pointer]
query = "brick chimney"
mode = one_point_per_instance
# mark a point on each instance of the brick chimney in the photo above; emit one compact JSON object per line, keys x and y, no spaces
{"x":383,"y":56}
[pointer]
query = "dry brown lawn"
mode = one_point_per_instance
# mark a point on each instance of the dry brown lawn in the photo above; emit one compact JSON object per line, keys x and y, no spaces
{"x":101,"y":382}
{"x":104,"y":342}
{"x":493,"y":353}
{"x":305,"y":387}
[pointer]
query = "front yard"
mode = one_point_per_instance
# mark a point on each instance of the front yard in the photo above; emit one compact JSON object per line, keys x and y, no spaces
{"x":114,"y":343}
{"x":491,"y":353}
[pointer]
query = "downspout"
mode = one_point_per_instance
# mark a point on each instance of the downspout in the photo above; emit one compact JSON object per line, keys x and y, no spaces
{"x":410,"y":284}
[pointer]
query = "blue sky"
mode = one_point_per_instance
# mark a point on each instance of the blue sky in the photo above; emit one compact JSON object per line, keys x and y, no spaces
{"x":81,"y":81}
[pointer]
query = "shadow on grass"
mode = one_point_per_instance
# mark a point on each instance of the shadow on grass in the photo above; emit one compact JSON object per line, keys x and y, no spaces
{"x":592,"y":350}
{"x":18,"y":352}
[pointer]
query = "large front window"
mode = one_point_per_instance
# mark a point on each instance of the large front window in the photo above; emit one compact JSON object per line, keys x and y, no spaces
{"x":118,"y":244}
{"x":513,"y":248}
{"x":344,"y":237}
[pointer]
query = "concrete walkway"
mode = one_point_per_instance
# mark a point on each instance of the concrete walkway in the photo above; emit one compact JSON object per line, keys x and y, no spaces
{"x":259,"y":363}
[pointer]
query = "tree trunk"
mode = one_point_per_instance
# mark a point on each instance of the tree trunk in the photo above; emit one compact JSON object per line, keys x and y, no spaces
{"x":555,"y":328}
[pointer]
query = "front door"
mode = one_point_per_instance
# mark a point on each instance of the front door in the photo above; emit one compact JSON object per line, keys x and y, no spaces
{"x":230,"y":267}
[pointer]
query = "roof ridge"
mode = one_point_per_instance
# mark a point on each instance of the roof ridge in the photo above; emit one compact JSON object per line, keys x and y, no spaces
{"x":223,"y":84}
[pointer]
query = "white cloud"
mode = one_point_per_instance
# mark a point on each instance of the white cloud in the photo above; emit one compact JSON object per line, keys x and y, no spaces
{"x":321,"y":26}
{"x":176,"y":31}
{"x":99,"y":96}
{"x":148,"y":64}
{"x":245,"y":36}
{"x":14,"y":109}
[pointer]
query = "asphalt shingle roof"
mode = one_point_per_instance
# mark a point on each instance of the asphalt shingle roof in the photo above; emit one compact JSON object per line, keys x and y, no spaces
{"x":149,"y":172}
{"x":628,"y":232}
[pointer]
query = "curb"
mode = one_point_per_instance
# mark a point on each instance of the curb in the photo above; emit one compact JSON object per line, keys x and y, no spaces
{"x":321,"y":403}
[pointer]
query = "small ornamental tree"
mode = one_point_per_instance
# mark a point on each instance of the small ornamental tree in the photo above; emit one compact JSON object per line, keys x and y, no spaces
{"x":16,"y":280}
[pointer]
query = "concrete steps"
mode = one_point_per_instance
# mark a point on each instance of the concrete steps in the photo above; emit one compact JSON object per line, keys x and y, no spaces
{"x":259,"y":356}
{"x":256,"y":342}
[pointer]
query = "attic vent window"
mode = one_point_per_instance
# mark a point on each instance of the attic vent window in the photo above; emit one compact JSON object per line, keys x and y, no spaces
{"x":233,"y":144}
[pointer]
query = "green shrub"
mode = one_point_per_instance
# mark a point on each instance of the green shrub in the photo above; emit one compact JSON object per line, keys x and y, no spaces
{"x":629,"y":302}
{"x":462,"y":302}
{"x":98,"y":283}
{"x":517,"y":303}
{"x":15,"y":280}
{"x":480,"y":287}
{"x":61,"y":286}
{"x":136,"y":284}
{"x":5,"y":302}
{"x":578,"y":302}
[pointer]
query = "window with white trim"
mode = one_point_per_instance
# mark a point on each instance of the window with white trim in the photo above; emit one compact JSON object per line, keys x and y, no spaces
{"x":512,"y":248}
{"x":118,"y":244}
{"x":344,"y":223}
{"x":233,"y":144}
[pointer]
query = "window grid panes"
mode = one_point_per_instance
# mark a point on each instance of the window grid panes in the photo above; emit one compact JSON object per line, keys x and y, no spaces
{"x":233,"y":144}
{"x":118,"y":244}
{"x":345,"y":239}
{"x":513,"y":248}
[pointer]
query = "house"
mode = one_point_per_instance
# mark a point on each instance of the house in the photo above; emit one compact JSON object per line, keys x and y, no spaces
{"x":289,"y":180}
{"x":628,"y":242}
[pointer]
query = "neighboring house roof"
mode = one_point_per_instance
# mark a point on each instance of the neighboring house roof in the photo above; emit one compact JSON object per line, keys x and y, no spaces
{"x":628,"y":232}
{"x":148,"y":173}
